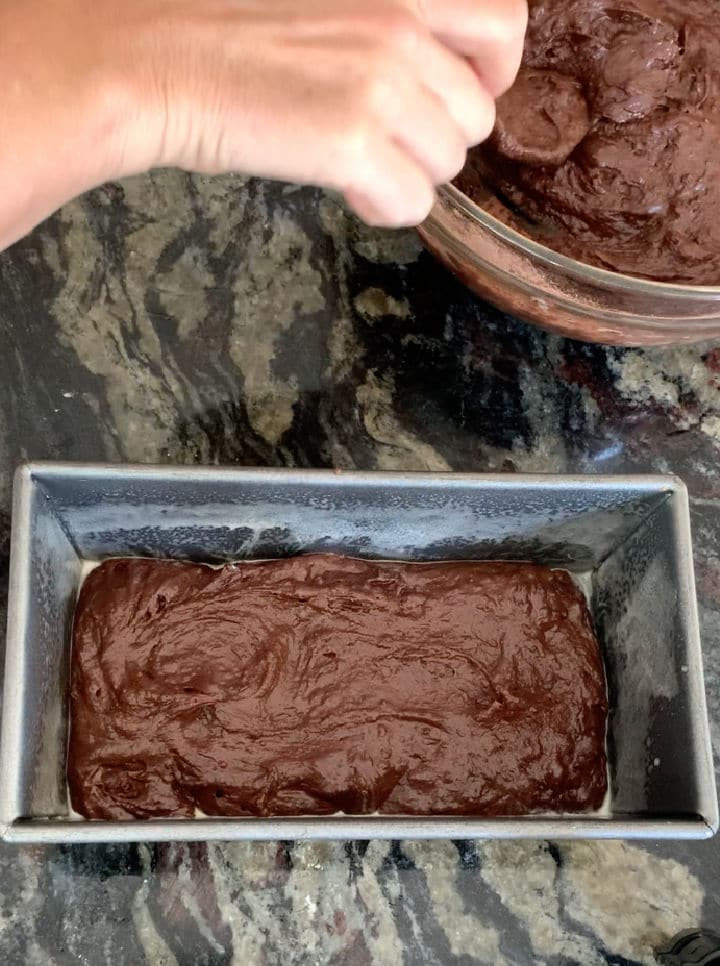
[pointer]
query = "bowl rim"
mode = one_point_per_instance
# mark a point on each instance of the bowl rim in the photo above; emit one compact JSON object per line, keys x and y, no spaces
{"x":602,"y":276}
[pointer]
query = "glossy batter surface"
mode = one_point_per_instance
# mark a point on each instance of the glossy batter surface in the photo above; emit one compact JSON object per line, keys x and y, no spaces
{"x":610,"y":140}
{"x":322,"y":684}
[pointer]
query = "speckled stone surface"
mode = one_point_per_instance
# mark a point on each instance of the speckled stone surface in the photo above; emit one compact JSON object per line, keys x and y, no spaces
{"x":178,"y":319}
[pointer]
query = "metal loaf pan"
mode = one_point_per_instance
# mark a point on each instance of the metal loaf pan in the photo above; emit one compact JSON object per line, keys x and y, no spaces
{"x":629,"y":537}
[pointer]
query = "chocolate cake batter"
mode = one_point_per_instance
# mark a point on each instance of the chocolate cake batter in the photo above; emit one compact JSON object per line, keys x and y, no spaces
{"x":323,"y":684}
{"x":608,"y":146}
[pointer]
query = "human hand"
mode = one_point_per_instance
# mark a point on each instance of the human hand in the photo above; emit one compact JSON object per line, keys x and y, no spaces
{"x":377,"y":99}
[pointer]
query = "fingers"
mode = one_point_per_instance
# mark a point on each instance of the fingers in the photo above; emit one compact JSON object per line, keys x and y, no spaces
{"x":489,"y":33}
{"x":431,"y":109}
{"x":388,"y":188}
{"x":423,"y":138}
{"x":421,"y":125}
{"x":458,"y":87}
{"x":422,"y":108}
{"x":392,"y":183}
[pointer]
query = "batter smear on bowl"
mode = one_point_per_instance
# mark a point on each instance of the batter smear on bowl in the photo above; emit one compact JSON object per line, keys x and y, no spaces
{"x":607,"y":148}
{"x":324,"y":684}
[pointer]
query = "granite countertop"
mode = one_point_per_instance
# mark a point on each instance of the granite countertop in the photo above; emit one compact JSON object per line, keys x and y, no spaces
{"x":186,"y":319}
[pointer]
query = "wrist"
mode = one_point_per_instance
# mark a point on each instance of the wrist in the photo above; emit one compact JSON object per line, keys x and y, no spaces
{"x":118,"y":131}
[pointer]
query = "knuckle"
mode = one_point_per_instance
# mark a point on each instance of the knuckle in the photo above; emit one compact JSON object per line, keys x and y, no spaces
{"x":398,"y":28}
{"x":508,"y":14}
{"x":352,"y":147}
{"x":513,"y":19}
{"x":414,"y":205}
{"x":521,"y":15}
{"x":383,"y":83}
{"x":418,"y":210}
{"x":484,"y":122}
{"x":407,"y":210}
{"x":378,"y":87}
{"x":451,"y":164}
{"x":378,"y":218}
{"x":505,"y":23}
{"x":457,"y":163}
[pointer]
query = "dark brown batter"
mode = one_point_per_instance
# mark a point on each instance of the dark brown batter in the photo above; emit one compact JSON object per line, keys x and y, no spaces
{"x":323,"y":684}
{"x":610,"y":140}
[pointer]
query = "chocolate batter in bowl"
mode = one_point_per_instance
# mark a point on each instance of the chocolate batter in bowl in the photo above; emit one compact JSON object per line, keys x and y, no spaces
{"x":593,"y":209}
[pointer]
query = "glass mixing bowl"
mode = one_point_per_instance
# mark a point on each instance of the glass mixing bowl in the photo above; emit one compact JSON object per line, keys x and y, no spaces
{"x":558,"y":293}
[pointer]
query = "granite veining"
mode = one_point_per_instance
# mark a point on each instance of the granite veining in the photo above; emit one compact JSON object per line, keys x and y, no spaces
{"x":182,"y":319}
